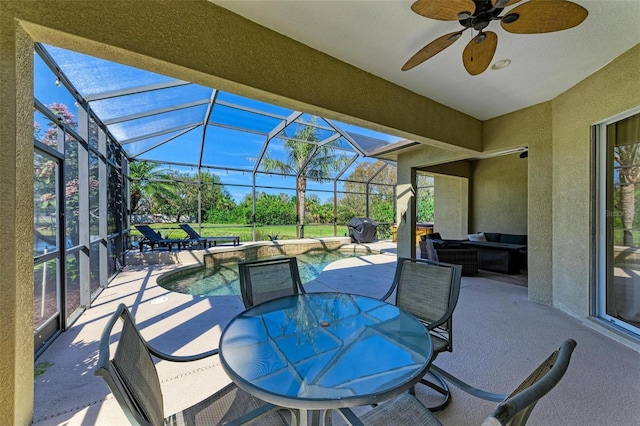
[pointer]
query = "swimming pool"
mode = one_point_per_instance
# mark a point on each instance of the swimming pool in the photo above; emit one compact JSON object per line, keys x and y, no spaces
{"x":224,"y":281}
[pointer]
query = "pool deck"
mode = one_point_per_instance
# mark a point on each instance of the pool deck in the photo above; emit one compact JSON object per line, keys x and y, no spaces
{"x":499,"y":337}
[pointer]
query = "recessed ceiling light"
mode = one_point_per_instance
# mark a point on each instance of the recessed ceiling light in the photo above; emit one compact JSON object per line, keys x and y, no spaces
{"x":503,"y":63}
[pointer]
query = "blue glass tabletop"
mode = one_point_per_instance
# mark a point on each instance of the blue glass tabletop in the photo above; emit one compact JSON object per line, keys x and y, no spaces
{"x":325,"y":350}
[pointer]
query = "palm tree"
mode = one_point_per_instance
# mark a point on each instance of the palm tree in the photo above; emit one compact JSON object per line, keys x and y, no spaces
{"x":306,"y":161}
{"x":148,"y":181}
{"x":628,"y":159}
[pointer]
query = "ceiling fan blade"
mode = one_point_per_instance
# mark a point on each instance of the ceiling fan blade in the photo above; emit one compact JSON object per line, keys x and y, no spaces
{"x":443,"y":10}
{"x":500,"y":4}
{"x":431,"y":49}
{"x":478,"y":55}
{"x":537,"y":17}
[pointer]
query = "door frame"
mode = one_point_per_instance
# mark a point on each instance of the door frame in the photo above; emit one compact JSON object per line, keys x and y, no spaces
{"x":602,"y":251}
{"x":52,"y":327}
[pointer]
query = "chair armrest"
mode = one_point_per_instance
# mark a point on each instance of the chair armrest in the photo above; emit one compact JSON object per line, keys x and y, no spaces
{"x":175,"y":358}
{"x":478,"y":393}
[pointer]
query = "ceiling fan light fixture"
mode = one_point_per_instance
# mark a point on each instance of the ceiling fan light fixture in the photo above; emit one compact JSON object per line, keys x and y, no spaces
{"x":464,"y":15}
{"x":510,"y":18}
{"x":480,"y":38}
{"x":503,"y":63}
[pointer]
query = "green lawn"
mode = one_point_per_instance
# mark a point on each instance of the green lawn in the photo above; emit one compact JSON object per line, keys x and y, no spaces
{"x":618,"y":237}
{"x":283,"y":232}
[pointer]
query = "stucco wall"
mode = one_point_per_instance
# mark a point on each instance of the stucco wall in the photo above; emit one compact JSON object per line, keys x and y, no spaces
{"x":406,"y":211}
{"x":610,"y":91}
{"x":499,"y":195}
{"x":531,"y":127}
{"x":16,"y":234}
{"x":451,"y":206}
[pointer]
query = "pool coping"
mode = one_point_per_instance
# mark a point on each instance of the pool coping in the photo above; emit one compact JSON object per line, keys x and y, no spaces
{"x":197,"y":256}
{"x":262,"y":249}
{"x":213,"y":259}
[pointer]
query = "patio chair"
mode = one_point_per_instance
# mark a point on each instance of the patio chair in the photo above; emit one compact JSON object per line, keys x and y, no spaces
{"x":132,"y":377}
{"x":514,"y":410}
{"x":153,"y":238}
{"x":263,"y":280}
{"x":429,"y":290}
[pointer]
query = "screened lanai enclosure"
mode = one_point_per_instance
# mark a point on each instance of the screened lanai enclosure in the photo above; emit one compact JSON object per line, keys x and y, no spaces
{"x":116,"y":146}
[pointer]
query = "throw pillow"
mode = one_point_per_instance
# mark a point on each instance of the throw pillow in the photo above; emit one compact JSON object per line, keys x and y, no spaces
{"x":477,"y":237}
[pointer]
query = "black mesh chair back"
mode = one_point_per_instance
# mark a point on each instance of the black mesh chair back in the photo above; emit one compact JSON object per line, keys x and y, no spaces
{"x":263,"y":280}
{"x":131,"y":374}
{"x":429,"y":290}
{"x":133,"y":379}
{"x":192,"y":233}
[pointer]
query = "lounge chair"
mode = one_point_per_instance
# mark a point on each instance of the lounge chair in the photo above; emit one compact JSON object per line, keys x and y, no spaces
{"x":153,"y":238}
{"x":208,"y":241}
{"x":132,"y":377}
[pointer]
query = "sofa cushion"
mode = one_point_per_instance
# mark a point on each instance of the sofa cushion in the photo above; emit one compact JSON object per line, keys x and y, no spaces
{"x":513,"y":239}
{"x":434,"y":236}
{"x":477,"y":237}
{"x":492,"y":237}
{"x":456,"y":245}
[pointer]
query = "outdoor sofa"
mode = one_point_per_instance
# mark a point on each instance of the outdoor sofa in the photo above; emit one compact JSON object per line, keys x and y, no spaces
{"x":451,"y":251}
{"x":497,"y":252}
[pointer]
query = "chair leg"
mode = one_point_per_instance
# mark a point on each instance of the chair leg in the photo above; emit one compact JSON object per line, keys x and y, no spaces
{"x":439,"y":386}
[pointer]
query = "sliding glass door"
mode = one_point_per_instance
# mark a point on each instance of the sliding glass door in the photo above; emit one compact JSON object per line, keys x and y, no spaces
{"x":618,"y":212}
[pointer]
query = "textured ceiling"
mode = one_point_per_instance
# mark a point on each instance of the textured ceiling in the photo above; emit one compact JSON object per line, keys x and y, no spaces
{"x":380,"y":36}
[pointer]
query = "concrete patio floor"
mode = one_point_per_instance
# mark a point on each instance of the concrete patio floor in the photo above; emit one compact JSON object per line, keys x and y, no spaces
{"x":499,"y":337}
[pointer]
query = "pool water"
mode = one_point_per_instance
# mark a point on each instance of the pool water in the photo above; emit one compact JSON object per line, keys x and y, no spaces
{"x":224,"y":281}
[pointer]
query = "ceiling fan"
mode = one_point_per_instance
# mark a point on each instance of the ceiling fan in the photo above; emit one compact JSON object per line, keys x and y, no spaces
{"x":532,"y":17}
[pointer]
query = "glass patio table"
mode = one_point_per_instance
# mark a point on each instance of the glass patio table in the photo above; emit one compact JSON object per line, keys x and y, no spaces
{"x":319,"y":351}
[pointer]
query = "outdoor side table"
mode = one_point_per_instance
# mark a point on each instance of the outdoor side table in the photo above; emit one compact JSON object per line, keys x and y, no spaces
{"x":318,"y":351}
